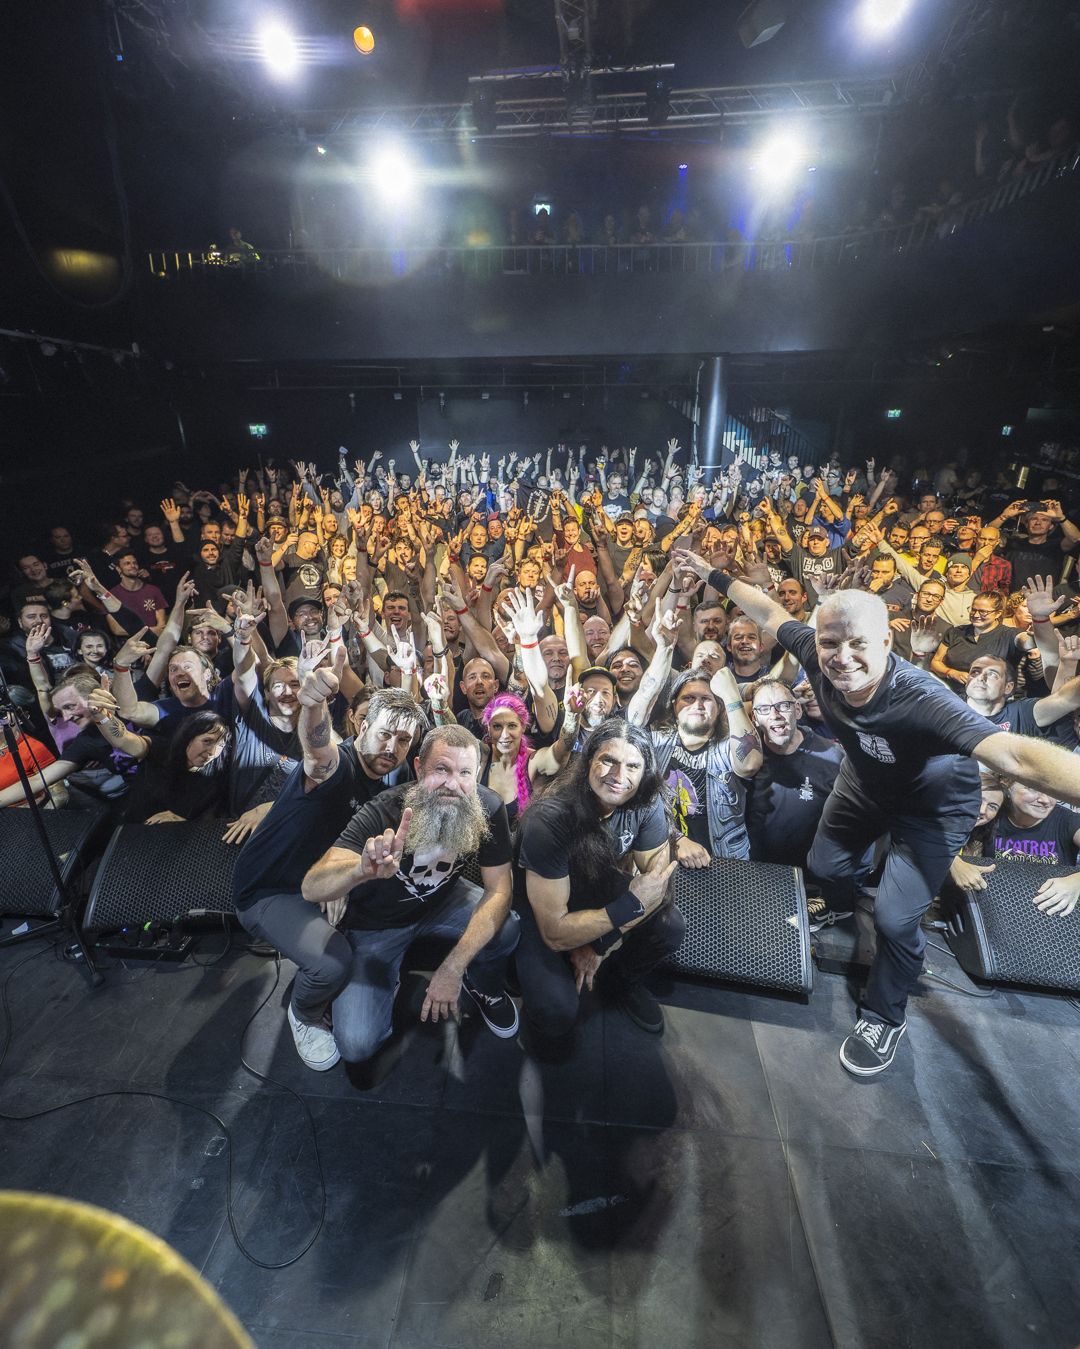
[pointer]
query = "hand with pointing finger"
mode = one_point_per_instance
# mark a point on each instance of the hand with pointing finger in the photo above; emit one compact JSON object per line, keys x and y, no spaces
{"x":382,"y":854}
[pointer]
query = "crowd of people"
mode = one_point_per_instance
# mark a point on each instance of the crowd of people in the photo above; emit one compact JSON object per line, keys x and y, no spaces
{"x":500,"y":701}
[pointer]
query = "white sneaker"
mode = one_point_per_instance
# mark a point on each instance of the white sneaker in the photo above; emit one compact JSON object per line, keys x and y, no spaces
{"x":314,"y":1044}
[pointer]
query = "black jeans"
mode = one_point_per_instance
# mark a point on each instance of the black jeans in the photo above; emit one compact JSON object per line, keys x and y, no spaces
{"x":299,"y":930}
{"x":921,"y":851}
{"x":549,"y":995}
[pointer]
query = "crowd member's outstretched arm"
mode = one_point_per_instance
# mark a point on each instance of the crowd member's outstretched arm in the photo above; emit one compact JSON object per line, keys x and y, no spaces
{"x":1036,"y":763}
{"x":665,"y":629}
{"x":318,"y":687}
{"x":765,"y":612}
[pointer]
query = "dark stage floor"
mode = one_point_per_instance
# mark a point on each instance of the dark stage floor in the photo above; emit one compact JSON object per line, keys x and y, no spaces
{"x":726,"y":1185}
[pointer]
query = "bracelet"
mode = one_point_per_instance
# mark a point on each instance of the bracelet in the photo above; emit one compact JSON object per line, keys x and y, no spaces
{"x":459,"y":612}
{"x":121,"y":669}
{"x":487,"y":588}
{"x":439,"y":654}
{"x":528,"y":646}
{"x":365,"y":634}
{"x":239,"y":642}
{"x":33,"y":660}
{"x":720,"y":581}
{"x":332,"y":639}
{"x":1040,"y":620}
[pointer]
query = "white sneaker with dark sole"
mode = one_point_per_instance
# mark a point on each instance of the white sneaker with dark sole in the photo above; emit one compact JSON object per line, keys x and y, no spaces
{"x":820,"y":915}
{"x":871,"y":1047}
{"x":314,"y":1044}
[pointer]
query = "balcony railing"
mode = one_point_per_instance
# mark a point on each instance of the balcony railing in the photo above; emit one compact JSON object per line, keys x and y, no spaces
{"x":846,"y":248}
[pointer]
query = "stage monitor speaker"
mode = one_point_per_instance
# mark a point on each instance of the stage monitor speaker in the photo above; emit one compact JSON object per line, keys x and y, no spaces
{"x":159,"y":873}
{"x":999,"y":935}
{"x":27,"y":887}
{"x":746,"y":923}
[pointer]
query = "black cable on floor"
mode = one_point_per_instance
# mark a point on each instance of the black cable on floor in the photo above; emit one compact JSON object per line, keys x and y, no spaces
{"x":968,"y":992}
{"x":175,"y":1100}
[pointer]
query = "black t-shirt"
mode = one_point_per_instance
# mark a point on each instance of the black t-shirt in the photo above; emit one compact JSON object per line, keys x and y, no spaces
{"x":547,"y":833}
{"x":807,"y":567}
{"x":422,"y":882}
{"x":897,"y":598}
{"x":304,"y":574}
{"x":1050,"y":841}
{"x":904,"y":745}
{"x":963,"y":647}
{"x":299,"y":828}
{"x":166,"y":568}
{"x":90,"y":748}
{"x":786,"y":797}
{"x":687,"y":780}
{"x":1034,"y":559}
{"x":191,"y":795}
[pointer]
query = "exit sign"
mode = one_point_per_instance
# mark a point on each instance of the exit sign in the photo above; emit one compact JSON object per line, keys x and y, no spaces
{"x":894,"y":414}
{"x":257,"y":429}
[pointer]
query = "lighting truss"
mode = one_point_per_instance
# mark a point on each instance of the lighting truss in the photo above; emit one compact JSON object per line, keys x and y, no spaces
{"x":729,"y":105}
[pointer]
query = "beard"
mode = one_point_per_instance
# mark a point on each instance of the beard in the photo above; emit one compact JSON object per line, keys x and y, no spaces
{"x":455,"y":824}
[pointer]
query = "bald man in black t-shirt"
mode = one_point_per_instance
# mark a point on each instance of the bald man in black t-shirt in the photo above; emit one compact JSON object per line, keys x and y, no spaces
{"x":908,"y":772}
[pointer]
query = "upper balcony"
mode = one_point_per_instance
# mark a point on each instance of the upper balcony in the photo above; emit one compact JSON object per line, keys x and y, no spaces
{"x":1004,"y":256}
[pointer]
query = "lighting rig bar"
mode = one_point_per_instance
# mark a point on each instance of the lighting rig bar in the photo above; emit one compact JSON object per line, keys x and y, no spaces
{"x":730,"y":105}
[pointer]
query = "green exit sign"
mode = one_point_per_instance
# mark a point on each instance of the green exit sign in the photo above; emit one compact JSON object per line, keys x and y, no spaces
{"x":894,"y":414}
{"x":257,"y":429}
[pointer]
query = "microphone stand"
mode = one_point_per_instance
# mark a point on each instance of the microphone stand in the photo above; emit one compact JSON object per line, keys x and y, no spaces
{"x":65,"y":922}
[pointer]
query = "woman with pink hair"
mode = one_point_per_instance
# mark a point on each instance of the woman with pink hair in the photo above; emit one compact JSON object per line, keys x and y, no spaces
{"x":506,"y":767}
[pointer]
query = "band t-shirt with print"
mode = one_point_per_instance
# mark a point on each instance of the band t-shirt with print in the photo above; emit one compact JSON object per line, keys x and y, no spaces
{"x":423,"y":882}
{"x":1049,"y":842}
{"x":687,"y":781}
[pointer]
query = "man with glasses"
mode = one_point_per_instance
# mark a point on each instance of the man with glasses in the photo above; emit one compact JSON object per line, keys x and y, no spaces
{"x":787,"y":795}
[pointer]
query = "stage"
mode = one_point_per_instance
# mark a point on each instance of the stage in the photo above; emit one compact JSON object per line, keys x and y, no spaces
{"x":725,"y":1185}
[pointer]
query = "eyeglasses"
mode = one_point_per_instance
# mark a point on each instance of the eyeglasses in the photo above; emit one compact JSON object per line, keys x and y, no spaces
{"x":788,"y":705}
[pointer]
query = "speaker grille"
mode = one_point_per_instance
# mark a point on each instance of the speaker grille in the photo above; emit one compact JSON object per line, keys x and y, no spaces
{"x":26,"y":883}
{"x":746,"y":923}
{"x":1022,"y":945}
{"x":160,"y":872}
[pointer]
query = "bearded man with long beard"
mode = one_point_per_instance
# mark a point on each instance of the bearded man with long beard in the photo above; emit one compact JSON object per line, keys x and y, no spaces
{"x":395,"y":875}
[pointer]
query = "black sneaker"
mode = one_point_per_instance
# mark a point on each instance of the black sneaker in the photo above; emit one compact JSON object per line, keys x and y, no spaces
{"x":820,"y":915}
{"x":641,"y":1007}
{"x":498,"y":1010}
{"x":870,"y":1047}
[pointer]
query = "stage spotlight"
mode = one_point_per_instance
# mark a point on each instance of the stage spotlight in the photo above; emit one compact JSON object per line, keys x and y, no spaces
{"x":878,"y":18}
{"x":393,"y":173}
{"x":780,"y":160}
{"x":320,"y":149}
{"x":279,"y":50}
{"x":363,"y":40}
{"x":485,"y":111}
{"x":658,"y":102}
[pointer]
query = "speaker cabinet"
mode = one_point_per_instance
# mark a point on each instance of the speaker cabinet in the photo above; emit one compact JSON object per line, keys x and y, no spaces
{"x":746,"y":923}
{"x":158,"y":873}
{"x":999,"y":935}
{"x":26,"y":882}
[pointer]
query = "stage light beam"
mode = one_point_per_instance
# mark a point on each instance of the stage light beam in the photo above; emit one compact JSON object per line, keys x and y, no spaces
{"x":393,"y":174}
{"x":879,"y":18}
{"x":780,"y":159}
{"x":280,"y":53}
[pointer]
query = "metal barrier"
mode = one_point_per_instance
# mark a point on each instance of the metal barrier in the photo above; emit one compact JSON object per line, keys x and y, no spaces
{"x":386,"y":264}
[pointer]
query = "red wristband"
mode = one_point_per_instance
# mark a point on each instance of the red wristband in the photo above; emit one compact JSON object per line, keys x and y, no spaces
{"x":459,"y":612}
{"x":528,"y":646}
{"x":33,"y":660}
{"x":121,"y":669}
{"x":336,"y":639}
{"x":365,"y":634}
{"x":487,"y":588}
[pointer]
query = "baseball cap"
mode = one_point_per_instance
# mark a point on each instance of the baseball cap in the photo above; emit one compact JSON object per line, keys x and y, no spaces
{"x":598,"y":670}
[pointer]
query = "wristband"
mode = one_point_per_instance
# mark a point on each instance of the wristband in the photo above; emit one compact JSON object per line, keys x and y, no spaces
{"x":33,"y":660}
{"x":624,"y":909}
{"x":365,"y":634}
{"x":487,"y":588}
{"x":121,"y":669}
{"x":601,"y":944}
{"x":1040,"y":620}
{"x":459,"y":612}
{"x":439,"y":654}
{"x":528,"y":646}
{"x":333,"y":639}
{"x":720,"y":580}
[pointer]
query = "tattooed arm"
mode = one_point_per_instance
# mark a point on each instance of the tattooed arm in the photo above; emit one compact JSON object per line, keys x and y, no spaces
{"x":746,"y":757}
{"x":314,"y":727}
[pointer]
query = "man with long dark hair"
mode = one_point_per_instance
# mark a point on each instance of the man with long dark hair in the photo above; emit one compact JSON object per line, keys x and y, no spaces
{"x":579,"y":905}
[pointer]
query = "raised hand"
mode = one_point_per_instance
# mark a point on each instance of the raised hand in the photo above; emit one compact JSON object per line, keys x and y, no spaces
{"x":455,"y":445}
{"x":319,"y":671}
{"x":664,"y":629}
{"x":383,"y":853}
{"x":672,"y":447}
{"x":170,"y":510}
{"x":437,"y":690}
{"x":401,"y":651}
{"x":527,"y":622}
{"x":433,"y":624}
{"x":134,"y":649}
{"x":564,"y":592}
{"x":1039,"y":593}
{"x":651,"y":889}
{"x":923,"y":637}
{"x":264,"y":551}
{"x":38,"y":638}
